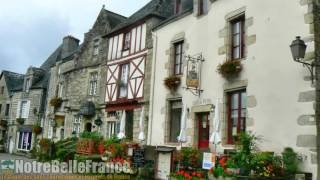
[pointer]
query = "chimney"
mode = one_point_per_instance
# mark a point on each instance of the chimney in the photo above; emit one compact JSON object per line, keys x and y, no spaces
{"x":69,"y":45}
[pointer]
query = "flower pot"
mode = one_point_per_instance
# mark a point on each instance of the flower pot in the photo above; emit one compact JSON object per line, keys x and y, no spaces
{"x":37,"y":130}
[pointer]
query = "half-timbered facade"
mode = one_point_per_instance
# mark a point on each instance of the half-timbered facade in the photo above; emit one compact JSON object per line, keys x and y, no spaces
{"x":129,"y":67}
{"x":126,"y":64}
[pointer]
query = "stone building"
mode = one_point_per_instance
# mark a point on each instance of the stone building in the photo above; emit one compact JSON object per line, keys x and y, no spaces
{"x":27,"y":109}
{"x":78,"y":80}
{"x":272,"y":96}
{"x":8,"y":81}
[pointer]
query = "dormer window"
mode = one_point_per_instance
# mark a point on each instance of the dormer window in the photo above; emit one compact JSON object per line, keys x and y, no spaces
{"x":126,"y":41}
{"x":96,"y":47}
{"x":27,"y":85}
{"x":178,"y":7}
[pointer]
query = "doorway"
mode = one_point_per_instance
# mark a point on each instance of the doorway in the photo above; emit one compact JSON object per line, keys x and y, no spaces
{"x":88,"y":127}
{"x":203,"y":130}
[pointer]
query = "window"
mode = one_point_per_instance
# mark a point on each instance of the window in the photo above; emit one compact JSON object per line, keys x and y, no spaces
{"x":77,"y":125}
{"x":2,"y":90}
{"x":200,"y":7}
{"x":93,"y":83}
{"x":96,"y":47}
{"x":60,"y":90}
{"x":7,"y":110}
{"x":23,"y":109}
{"x":50,"y":130}
{"x":178,"y":7}
{"x":236,"y":114}
{"x":123,"y":81}
{"x":126,"y":41}
{"x":237,"y":38}
{"x":113,"y":128}
{"x":175,"y":111}
{"x":24,"y":141}
{"x":27,"y":85}
{"x":178,"y":47}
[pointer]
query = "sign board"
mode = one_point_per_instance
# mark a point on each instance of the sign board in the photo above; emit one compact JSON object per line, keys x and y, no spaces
{"x":193,"y":73}
{"x":208,"y":161}
{"x":138,"y":158}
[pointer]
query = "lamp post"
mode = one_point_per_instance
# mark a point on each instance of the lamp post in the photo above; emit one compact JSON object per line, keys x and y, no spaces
{"x":298,"y":50}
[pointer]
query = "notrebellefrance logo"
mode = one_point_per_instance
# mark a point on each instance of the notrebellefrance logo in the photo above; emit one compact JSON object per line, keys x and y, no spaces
{"x":6,"y":165}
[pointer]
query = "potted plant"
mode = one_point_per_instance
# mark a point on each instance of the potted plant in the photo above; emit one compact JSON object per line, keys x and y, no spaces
{"x":172,"y":82}
{"x":37,"y":129}
{"x":230,"y":68}
{"x":3,"y":123}
{"x":20,"y":121}
{"x":98,"y":122}
{"x":56,"y":102}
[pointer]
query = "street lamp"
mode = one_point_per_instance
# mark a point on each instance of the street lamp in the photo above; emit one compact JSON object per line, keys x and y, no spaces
{"x":298,"y":50}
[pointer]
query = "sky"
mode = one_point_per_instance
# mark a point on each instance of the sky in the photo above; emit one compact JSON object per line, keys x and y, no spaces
{"x":30,"y":30}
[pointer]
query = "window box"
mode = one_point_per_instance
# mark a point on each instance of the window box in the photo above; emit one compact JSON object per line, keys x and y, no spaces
{"x":229,"y":69}
{"x":20,"y":121}
{"x":172,"y":82}
{"x":56,"y":102}
{"x":85,"y":146}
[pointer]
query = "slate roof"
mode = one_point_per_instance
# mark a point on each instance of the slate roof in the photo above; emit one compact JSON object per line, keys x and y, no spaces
{"x":114,"y":19}
{"x":12,"y":79}
{"x":159,"y":8}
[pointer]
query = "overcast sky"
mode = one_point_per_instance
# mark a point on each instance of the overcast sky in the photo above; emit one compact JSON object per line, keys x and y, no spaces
{"x":32,"y":29}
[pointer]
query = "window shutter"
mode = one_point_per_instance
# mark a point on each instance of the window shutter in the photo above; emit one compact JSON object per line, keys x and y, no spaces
{"x":205,"y":6}
{"x":18,"y":109}
{"x":26,"y":112}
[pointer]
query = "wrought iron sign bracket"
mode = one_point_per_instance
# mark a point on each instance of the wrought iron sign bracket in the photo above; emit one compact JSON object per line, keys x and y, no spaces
{"x":194,"y":61}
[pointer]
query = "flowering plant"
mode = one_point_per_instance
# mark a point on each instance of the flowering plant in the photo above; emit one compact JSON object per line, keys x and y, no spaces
{"x":194,"y":175}
{"x":188,"y":158}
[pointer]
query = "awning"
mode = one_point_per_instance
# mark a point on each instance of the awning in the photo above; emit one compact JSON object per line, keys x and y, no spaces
{"x":122,"y":105}
{"x":87,"y":109}
{"x":25,"y":129}
{"x":165,"y":149}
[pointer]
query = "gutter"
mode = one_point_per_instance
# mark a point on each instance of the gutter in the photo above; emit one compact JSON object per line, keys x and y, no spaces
{"x":154,"y":59}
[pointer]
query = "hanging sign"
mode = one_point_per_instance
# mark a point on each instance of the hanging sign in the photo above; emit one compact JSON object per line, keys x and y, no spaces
{"x":193,"y":73}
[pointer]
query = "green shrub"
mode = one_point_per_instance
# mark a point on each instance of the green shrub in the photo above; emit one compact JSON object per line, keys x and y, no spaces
{"x":95,"y":136}
{"x":290,"y":161}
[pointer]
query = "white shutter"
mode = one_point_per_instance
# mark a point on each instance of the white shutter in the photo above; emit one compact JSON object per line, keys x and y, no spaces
{"x":50,"y":132}
{"x":26,"y":110}
{"x":18,"y":109}
{"x":205,"y":6}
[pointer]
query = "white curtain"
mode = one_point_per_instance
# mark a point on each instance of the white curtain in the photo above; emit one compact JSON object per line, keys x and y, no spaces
{"x":182,"y":136}
{"x":122,"y":134}
{"x":141,"y":126}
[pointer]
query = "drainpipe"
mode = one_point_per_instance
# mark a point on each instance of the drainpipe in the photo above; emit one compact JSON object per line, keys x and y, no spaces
{"x":154,"y":59}
{"x":316,"y":19}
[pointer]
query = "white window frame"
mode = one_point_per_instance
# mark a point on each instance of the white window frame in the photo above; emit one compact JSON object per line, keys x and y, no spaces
{"x":96,"y":49}
{"x":77,"y":124}
{"x":21,"y":144}
{"x":93,"y":85}
{"x":60,"y":90}
{"x":113,"y":128}
{"x":124,"y":77}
